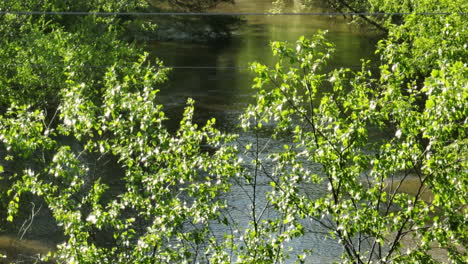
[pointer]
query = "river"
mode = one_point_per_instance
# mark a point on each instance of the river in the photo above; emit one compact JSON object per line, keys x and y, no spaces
{"x":216,"y":75}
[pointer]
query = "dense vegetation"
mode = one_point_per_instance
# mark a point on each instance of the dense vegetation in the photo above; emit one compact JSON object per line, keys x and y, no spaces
{"x":73,"y":102}
{"x":75,"y":96}
{"x":417,"y":102}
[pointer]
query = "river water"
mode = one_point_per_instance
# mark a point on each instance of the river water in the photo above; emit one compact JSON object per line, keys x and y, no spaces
{"x":217,"y":77}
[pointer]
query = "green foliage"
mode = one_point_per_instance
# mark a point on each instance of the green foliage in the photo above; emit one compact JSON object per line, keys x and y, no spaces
{"x":392,"y":8}
{"x":74,"y":97}
{"x":37,"y":49}
{"x":170,"y":182}
{"x":420,"y":115}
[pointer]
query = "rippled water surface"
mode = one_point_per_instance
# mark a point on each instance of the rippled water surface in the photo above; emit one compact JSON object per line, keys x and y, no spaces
{"x":220,"y":83}
{"x":216,"y":76}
